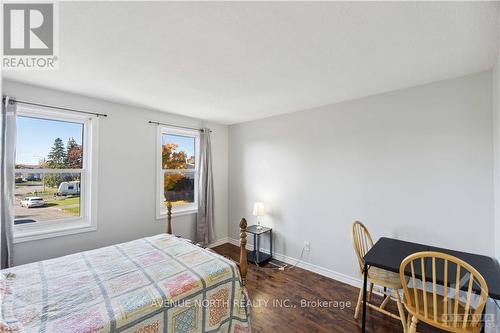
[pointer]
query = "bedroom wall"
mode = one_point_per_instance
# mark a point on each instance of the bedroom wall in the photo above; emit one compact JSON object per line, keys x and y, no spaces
{"x":491,"y":307}
{"x":127,"y":175}
{"x":414,"y":164}
{"x":496,"y":133}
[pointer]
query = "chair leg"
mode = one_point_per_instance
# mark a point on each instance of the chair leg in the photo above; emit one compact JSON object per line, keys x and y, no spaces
{"x":400,"y":309}
{"x":413,"y":326}
{"x":371,"y":292}
{"x":358,"y":304}
{"x":387,"y":298}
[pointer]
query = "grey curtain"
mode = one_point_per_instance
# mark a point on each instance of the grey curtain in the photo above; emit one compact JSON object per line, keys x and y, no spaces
{"x":205,"y":217}
{"x":7,"y":164}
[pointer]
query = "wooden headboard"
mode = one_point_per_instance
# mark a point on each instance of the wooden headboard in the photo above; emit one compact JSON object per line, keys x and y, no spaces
{"x":243,"y":242}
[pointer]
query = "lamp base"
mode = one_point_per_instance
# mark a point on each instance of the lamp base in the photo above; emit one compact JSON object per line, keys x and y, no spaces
{"x":259,"y":227}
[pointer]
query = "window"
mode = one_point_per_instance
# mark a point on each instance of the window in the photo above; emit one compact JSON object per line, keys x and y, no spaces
{"x":54,"y":182}
{"x":177,"y":170}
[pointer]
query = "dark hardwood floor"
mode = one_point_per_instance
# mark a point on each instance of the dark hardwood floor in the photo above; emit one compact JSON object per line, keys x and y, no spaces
{"x":279,"y":302}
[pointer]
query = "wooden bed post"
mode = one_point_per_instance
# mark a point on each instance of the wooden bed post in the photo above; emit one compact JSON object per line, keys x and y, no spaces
{"x":243,"y":251}
{"x":169,"y":217}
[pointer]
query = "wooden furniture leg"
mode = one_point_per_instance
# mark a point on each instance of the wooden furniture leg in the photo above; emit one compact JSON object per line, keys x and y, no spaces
{"x":387,"y":298}
{"x":243,"y":251}
{"x":358,"y":304}
{"x":413,"y":326}
{"x":371,"y":292}
{"x":169,"y":218}
{"x":400,"y":309}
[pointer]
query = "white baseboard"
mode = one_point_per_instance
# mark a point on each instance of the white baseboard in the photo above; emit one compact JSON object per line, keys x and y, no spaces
{"x":219,"y":242}
{"x":308,"y":266}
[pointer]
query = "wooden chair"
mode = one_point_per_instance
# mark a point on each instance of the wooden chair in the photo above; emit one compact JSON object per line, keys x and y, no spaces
{"x":362,"y":242}
{"x":450,"y":309}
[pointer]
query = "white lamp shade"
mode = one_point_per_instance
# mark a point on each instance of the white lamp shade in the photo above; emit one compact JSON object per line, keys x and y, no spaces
{"x":258,"y":209}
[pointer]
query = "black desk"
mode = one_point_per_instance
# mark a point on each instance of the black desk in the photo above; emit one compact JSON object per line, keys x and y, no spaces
{"x":388,"y":254}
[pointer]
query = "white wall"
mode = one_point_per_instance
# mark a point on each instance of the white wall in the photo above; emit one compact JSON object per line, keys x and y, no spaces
{"x":491,"y":307}
{"x":496,"y":131}
{"x":415,"y":164}
{"x":127,"y":175}
{"x":496,"y":143}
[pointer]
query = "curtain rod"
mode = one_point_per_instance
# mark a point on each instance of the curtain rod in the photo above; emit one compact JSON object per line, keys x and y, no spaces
{"x":13,"y":100}
{"x":178,"y":126}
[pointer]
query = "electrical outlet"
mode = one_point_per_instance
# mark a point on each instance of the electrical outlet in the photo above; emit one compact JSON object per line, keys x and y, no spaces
{"x":307,"y":246}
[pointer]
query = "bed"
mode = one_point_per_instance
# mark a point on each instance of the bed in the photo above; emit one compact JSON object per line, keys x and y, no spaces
{"x":155,"y":284}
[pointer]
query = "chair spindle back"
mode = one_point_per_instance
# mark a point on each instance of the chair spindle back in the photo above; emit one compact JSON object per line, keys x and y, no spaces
{"x":451,"y":309}
{"x":361,"y":241}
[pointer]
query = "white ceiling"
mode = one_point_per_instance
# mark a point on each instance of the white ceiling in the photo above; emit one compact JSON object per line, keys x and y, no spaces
{"x":233,"y":61}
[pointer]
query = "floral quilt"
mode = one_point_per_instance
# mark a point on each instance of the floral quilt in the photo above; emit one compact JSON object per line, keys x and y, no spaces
{"x":154,"y":284}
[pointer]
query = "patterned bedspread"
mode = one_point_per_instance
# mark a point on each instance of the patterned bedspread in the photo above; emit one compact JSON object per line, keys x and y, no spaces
{"x":155,"y":284}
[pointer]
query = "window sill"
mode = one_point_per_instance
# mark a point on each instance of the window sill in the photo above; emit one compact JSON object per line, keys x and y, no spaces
{"x":27,"y":235}
{"x":163,"y":216}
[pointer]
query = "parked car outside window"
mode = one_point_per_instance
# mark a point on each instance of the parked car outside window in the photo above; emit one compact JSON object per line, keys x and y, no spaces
{"x":30,"y":202}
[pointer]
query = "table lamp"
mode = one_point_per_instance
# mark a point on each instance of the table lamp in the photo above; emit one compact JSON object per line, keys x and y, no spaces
{"x":258,"y":210}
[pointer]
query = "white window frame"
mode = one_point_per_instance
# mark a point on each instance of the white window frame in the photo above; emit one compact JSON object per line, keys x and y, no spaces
{"x":161,"y":210}
{"x":87,"y":221}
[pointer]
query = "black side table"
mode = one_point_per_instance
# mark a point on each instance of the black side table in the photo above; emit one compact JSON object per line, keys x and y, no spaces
{"x":256,"y":256}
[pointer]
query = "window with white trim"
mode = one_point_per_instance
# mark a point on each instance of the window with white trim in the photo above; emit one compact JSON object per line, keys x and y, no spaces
{"x":177,"y":170}
{"x":54,"y":179}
